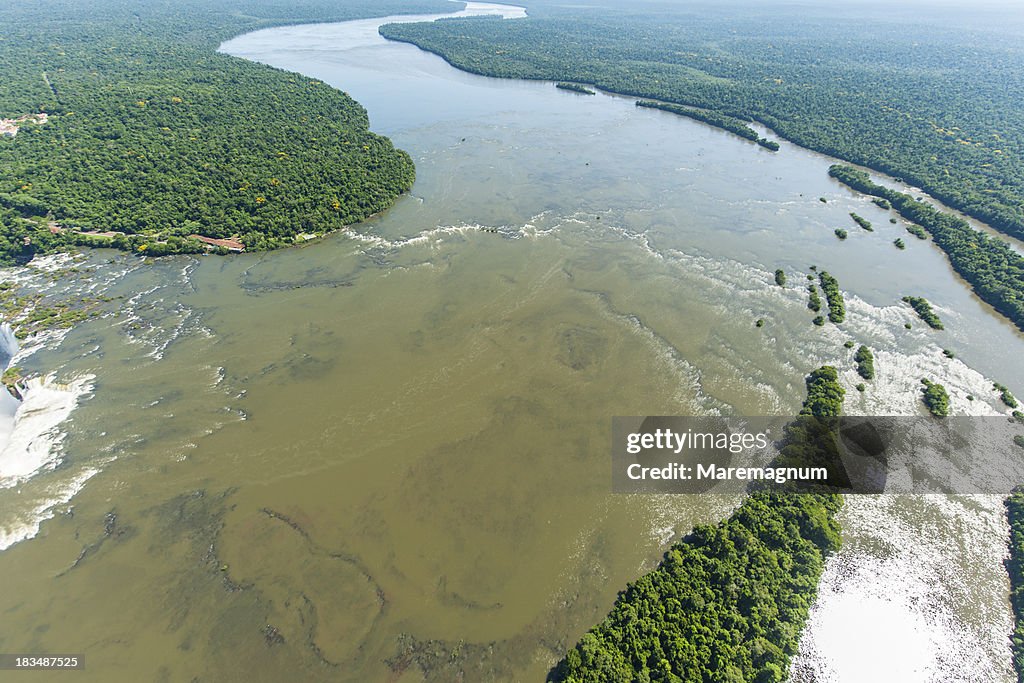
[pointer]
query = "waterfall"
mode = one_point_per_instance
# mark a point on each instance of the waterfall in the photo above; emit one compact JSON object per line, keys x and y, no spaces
{"x":8,"y":404}
{"x":8,"y":344}
{"x":30,"y":441}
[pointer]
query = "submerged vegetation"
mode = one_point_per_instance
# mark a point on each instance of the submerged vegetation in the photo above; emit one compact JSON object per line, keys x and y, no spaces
{"x":1005,"y":396}
{"x":841,"y":234}
{"x":30,"y":314}
{"x":924,"y":311}
{"x":728,"y":601}
{"x":11,"y":379}
{"x":917,"y":231}
{"x":153,"y":136}
{"x":780,"y":277}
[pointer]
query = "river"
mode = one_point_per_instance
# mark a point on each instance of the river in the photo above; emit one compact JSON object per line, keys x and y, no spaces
{"x":383,"y":455}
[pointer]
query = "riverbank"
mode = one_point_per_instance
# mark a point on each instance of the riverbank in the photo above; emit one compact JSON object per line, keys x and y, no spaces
{"x":38,"y":318}
{"x":998,"y":244}
{"x":754,"y":67}
{"x":385,"y":455}
{"x":142,"y":156}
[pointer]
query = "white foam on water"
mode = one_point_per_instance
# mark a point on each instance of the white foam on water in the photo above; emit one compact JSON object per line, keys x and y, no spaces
{"x":158,"y":332}
{"x":538,"y":226}
{"x":30,"y":430}
{"x":890,"y":607}
{"x":688,"y":393}
{"x":433,"y":236}
{"x":30,"y":442}
{"x":52,"y":262}
{"x":897,"y":388}
{"x":8,"y":408}
{"x":26,"y":524}
{"x":46,"y":339}
{"x":34,"y":440}
{"x":894,"y":604}
{"x":8,"y":404}
{"x":8,"y":342}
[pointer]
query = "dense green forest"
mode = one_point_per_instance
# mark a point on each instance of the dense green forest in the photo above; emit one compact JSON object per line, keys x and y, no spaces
{"x":728,"y":602}
{"x":1015,"y":568}
{"x":935,"y":398}
{"x":865,"y":362}
{"x":935,"y":101}
{"x":151,"y":132}
{"x":813,"y":299}
{"x":924,"y":311}
{"x":1005,"y":395}
{"x":994,"y":270}
{"x":836,"y":304}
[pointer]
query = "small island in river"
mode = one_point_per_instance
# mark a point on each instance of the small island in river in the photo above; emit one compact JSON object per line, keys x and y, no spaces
{"x":575,"y":87}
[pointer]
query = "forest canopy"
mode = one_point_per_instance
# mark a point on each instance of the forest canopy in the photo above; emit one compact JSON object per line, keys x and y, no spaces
{"x":937,"y":102}
{"x":994,"y":270}
{"x":151,"y":132}
{"x":727,"y":602}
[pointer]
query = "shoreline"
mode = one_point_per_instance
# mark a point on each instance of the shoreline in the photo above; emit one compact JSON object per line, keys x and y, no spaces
{"x":175,"y":523}
{"x":30,"y":434}
{"x":271,"y":217}
{"x":1016,"y":243}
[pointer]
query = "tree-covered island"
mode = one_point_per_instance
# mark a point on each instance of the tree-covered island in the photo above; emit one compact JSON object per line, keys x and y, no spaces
{"x":994,"y":270}
{"x":924,"y":311}
{"x":575,"y":87}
